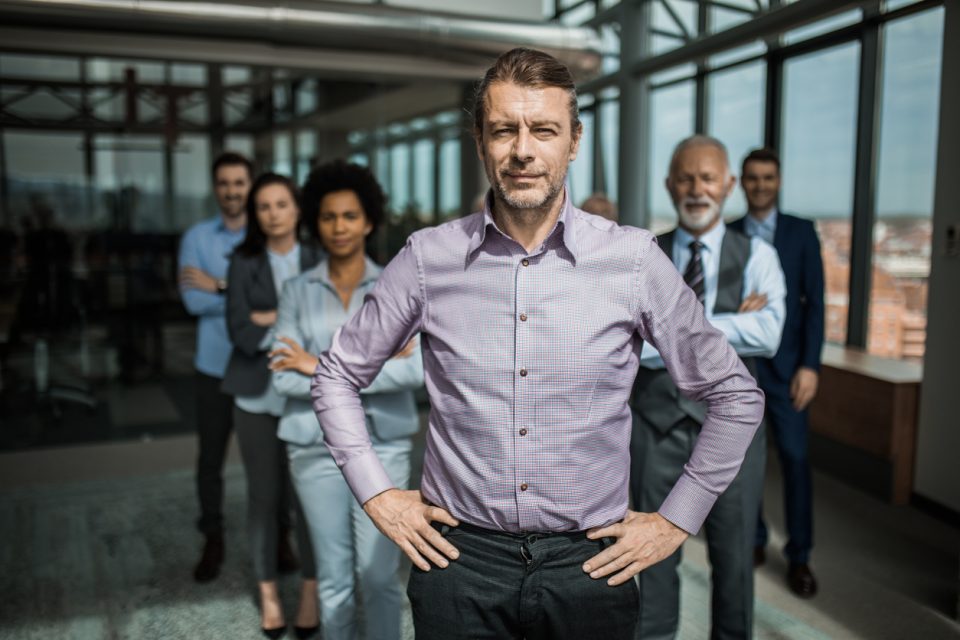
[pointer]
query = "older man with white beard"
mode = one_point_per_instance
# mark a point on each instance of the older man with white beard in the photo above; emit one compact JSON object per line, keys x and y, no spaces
{"x":741,"y":285}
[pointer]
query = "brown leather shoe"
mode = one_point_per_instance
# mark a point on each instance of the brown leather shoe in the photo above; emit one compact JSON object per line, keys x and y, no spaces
{"x":759,"y":557}
{"x":287,"y":561}
{"x":801,"y":580}
{"x":208,"y":567}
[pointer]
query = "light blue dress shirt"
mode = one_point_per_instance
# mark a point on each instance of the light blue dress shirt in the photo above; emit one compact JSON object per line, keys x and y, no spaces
{"x":764,"y":230}
{"x":311,"y":313}
{"x":208,"y":245}
{"x":282,"y":268}
{"x":753,"y":334}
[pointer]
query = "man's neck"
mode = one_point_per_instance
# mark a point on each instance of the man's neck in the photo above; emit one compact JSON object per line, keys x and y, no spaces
{"x":529,"y":227}
{"x":699,"y":233}
{"x":234,"y":223}
{"x":761,"y":214}
{"x":348,"y":270}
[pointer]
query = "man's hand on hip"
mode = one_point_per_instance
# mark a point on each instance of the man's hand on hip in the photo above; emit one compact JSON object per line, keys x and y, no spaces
{"x":405,"y":518}
{"x":643,"y":539}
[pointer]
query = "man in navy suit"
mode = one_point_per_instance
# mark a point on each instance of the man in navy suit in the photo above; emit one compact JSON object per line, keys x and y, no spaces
{"x":790,"y":378}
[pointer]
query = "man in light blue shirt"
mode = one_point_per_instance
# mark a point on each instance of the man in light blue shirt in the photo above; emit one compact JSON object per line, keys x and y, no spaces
{"x":204,"y":256}
{"x":741,"y":285}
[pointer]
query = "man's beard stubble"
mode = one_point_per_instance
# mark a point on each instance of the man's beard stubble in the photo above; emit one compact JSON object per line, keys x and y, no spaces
{"x":523,"y":205}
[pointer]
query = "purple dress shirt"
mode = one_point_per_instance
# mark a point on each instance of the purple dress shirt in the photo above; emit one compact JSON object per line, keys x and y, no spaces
{"x":529,"y":360}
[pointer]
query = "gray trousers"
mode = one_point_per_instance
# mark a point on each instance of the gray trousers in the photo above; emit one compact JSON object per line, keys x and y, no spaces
{"x":657,"y":462}
{"x":270,"y":495}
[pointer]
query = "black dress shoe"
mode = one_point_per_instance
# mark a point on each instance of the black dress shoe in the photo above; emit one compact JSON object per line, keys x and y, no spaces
{"x":306,"y":632}
{"x":276,"y":632}
{"x":759,"y":556}
{"x":208,"y":567}
{"x":801,"y":581}
{"x":287,"y":561}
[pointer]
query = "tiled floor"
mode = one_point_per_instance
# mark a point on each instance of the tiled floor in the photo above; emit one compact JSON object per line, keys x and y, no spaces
{"x":111,"y":559}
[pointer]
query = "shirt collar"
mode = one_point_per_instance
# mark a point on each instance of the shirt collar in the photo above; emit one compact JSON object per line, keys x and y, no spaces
{"x":711,"y":240}
{"x":566,"y":221}
{"x":770,"y":222}
{"x":321,"y":272}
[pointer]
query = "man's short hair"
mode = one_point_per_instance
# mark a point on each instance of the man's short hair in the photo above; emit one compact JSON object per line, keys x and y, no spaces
{"x":763,"y":154}
{"x":599,"y":204}
{"x":699,"y":140}
{"x":229,"y":159}
{"x":527,"y":68}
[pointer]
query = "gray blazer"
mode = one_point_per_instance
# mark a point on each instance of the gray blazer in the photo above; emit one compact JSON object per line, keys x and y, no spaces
{"x":310,"y":313}
{"x":250,"y":288}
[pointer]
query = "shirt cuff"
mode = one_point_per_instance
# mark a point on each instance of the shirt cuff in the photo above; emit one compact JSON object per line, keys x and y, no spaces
{"x":688,"y":505}
{"x":366,"y":476}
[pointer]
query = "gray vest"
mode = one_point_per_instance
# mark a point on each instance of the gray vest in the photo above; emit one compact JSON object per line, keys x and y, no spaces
{"x":655,"y":398}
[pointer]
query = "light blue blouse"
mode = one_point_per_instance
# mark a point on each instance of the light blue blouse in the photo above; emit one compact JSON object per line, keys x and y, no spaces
{"x":310,"y":313}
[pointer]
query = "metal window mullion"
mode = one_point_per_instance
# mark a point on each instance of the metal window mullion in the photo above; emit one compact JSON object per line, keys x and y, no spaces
{"x":864,"y":195}
{"x":701,"y":98}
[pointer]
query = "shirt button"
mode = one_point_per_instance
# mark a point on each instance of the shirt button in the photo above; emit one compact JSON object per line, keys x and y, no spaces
{"x":523,"y":373}
{"x":523,"y":317}
{"x":525,"y":262}
{"x":523,"y":431}
{"x":523,"y":487}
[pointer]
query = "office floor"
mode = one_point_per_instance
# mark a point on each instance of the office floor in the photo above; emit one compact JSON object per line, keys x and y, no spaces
{"x":110,"y":558}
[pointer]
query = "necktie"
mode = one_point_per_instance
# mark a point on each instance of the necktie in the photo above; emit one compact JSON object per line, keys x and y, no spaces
{"x":693,"y":276}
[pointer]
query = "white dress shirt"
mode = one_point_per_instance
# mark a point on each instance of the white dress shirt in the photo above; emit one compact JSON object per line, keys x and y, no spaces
{"x":752,"y":334}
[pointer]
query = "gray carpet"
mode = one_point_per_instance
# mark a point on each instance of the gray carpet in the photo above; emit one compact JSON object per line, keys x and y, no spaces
{"x":112,"y":559}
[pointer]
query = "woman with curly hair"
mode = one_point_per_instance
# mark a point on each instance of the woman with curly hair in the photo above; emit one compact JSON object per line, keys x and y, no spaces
{"x":343,"y":204}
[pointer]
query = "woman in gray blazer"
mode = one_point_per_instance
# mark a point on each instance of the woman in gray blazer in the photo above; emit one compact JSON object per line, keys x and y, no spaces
{"x":269,"y":254}
{"x":343,"y":204}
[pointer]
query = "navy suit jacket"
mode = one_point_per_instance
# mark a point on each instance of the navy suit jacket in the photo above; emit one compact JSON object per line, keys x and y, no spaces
{"x":798,"y":246}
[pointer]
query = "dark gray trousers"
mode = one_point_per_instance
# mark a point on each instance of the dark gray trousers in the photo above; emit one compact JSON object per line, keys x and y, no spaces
{"x":657,"y":462}
{"x":529,"y":587}
{"x":214,"y":424}
{"x":270,"y":495}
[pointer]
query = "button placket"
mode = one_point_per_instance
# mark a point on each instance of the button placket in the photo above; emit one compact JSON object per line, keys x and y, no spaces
{"x":523,"y":393}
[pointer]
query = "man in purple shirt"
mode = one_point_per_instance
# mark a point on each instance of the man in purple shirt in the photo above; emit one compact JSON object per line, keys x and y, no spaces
{"x":532,"y":315}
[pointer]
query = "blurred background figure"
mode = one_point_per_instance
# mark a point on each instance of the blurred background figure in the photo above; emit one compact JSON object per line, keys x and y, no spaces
{"x":790,"y":378}
{"x":270,"y":254}
{"x":204,"y":253}
{"x":599,"y":204}
{"x":343,"y":204}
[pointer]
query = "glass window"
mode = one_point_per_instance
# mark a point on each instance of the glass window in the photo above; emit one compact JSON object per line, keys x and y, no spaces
{"x":114,"y":70}
{"x":723,"y":18}
{"x":826,"y":25}
{"x":239,"y":142}
{"x":819,"y":136}
{"x":671,"y":120}
{"x":450,"y":178}
{"x":610,"y":146}
{"x":41,"y":103}
{"x":46,"y":169}
{"x":399,"y":185}
{"x":306,"y":153}
{"x":306,"y":96}
{"x":14,"y":65}
{"x":129,"y":182}
{"x":282,"y":153}
{"x":580,"y":176}
{"x":235,"y":75}
{"x":423,"y":163}
{"x":189,"y":74}
{"x":905,"y":185}
{"x":731,"y":56}
{"x":192,"y":198}
{"x":579,"y":15}
{"x":735,"y":117}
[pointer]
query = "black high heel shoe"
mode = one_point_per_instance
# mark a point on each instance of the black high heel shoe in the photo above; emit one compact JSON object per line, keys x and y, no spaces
{"x":306,"y":632}
{"x":275,"y":633}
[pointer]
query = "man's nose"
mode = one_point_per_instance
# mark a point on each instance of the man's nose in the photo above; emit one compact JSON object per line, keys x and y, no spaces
{"x":523,"y":147}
